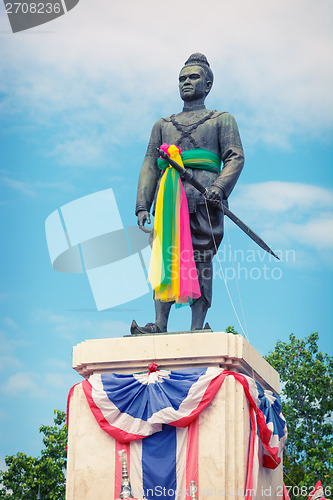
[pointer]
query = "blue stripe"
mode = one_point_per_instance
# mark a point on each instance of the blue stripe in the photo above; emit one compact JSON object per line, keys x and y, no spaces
{"x":159,"y":464}
{"x":271,"y":412}
{"x":142,"y":401}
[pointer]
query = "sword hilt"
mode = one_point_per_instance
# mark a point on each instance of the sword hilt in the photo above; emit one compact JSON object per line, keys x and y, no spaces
{"x":182,"y":171}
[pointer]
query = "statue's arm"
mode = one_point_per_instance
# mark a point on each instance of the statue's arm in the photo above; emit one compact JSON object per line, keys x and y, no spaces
{"x":232,"y":154}
{"x":149,"y":173}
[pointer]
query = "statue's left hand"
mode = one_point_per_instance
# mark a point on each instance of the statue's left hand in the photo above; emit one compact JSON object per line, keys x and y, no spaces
{"x":143,"y":217}
{"x":214,"y":195}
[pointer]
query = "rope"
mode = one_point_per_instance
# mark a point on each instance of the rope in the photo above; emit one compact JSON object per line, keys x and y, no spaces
{"x":239,"y":294}
{"x":284,"y":473}
{"x":225,"y":281}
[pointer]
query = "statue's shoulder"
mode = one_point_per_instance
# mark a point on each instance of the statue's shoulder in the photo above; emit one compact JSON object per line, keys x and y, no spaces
{"x":225,"y":119}
{"x":158,"y":123}
{"x":223,"y":115}
{"x":166,"y":119}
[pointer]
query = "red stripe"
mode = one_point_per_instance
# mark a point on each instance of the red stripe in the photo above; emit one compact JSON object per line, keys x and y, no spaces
{"x":249,"y":478}
{"x":192,"y":454}
{"x":70,"y":394}
{"x":120,"y":435}
{"x":208,"y":396}
{"x":285,"y":493}
{"x":264,"y":431}
{"x":315,"y":490}
{"x":271,"y":462}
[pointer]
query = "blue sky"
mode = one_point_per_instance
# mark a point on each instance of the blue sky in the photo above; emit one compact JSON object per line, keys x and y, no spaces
{"x":78,"y":98}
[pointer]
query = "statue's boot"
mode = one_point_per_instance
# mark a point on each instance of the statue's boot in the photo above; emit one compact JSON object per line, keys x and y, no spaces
{"x":139,"y":330}
{"x":162,"y":311}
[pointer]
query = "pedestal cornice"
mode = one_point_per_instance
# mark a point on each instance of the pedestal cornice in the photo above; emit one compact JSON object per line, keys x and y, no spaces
{"x":170,"y":351}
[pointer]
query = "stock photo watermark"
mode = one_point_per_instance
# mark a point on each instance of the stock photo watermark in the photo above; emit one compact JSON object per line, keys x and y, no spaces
{"x":82,"y":238}
{"x":255,"y":265}
{"x":263,"y":491}
{"x":29,"y":14}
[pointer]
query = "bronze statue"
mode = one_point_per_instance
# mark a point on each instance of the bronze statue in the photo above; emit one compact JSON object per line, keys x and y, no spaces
{"x":213,"y":134}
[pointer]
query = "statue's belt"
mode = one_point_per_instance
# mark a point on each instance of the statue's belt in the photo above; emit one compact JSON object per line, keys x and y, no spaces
{"x":197,"y":158}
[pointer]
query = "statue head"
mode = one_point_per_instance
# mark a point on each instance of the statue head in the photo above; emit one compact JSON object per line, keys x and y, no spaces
{"x":195,"y":78}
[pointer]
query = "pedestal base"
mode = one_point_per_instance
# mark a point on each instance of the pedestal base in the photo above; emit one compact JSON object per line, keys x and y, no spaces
{"x":224,"y":426}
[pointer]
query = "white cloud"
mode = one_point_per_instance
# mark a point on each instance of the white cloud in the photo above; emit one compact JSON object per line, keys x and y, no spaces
{"x":10,"y":322}
{"x":56,"y":364}
{"x":70,"y":327}
{"x":20,"y":186}
{"x":8,"y":344}
{"x":290,"y":216}
{"x":26,"y":382}
{"x":9,"y":363}
{"x":280,"y":197}
{"x":79,"y":151}
{"x":59,"y":381}
{"x":31,"y":189}
{"x":314,"y":233}
{"x":38,"y":385}
{"x":105,"y":74}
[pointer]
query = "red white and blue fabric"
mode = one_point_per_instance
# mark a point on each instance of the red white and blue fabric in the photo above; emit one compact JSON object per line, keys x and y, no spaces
{"x":317,"y":493}
{"x":158,"y":410}
{"x":161,"y":465}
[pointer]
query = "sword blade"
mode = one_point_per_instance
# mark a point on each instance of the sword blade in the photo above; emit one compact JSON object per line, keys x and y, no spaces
{"x":248,"y":231}
{"x":183,"y":173}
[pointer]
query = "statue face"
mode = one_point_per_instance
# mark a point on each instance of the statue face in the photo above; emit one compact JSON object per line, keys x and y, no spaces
{"x":193,"y":84}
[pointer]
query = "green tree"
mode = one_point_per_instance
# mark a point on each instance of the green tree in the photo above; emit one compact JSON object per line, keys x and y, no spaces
{"x":20,"y":481}
{"x":230,"y":329}
{"x":307,"y":404}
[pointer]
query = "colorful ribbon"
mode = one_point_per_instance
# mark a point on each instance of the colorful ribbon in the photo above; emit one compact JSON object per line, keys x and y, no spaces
{"x":199,"y":158}
{"x":172,"y":270}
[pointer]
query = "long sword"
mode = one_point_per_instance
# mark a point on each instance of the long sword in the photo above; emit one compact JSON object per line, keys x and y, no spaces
{"x":187,"y":176}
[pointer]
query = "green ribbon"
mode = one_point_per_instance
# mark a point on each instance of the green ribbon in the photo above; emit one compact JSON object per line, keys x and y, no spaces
{"x":202,"y":159}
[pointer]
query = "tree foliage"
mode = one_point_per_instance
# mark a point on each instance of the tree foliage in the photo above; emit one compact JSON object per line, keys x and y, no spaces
{"x":20,"y":481}
{"x":307,"y":404}
{"x":230,"y":329}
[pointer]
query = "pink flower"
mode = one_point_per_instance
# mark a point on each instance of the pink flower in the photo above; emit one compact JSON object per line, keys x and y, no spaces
{"x":165,"y":148}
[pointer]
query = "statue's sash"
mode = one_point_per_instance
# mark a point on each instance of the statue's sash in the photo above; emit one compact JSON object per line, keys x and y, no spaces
{"x":202,"y":159}
{"x":172,"y":270}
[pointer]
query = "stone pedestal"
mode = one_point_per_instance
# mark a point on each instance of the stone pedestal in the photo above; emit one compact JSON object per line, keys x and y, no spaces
{"x":223,"y":425}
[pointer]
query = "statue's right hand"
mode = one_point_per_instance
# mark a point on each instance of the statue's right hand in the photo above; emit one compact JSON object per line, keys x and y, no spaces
{"x":143,"y":217}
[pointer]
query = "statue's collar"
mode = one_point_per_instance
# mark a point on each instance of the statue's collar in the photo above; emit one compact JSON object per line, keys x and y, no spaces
{"x":194,"y":107}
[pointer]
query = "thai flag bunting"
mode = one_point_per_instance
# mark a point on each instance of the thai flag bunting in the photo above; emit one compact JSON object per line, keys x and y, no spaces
{"x":161,"y":465}
{"x":156,"y":410}
{"x":317,"y":492}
